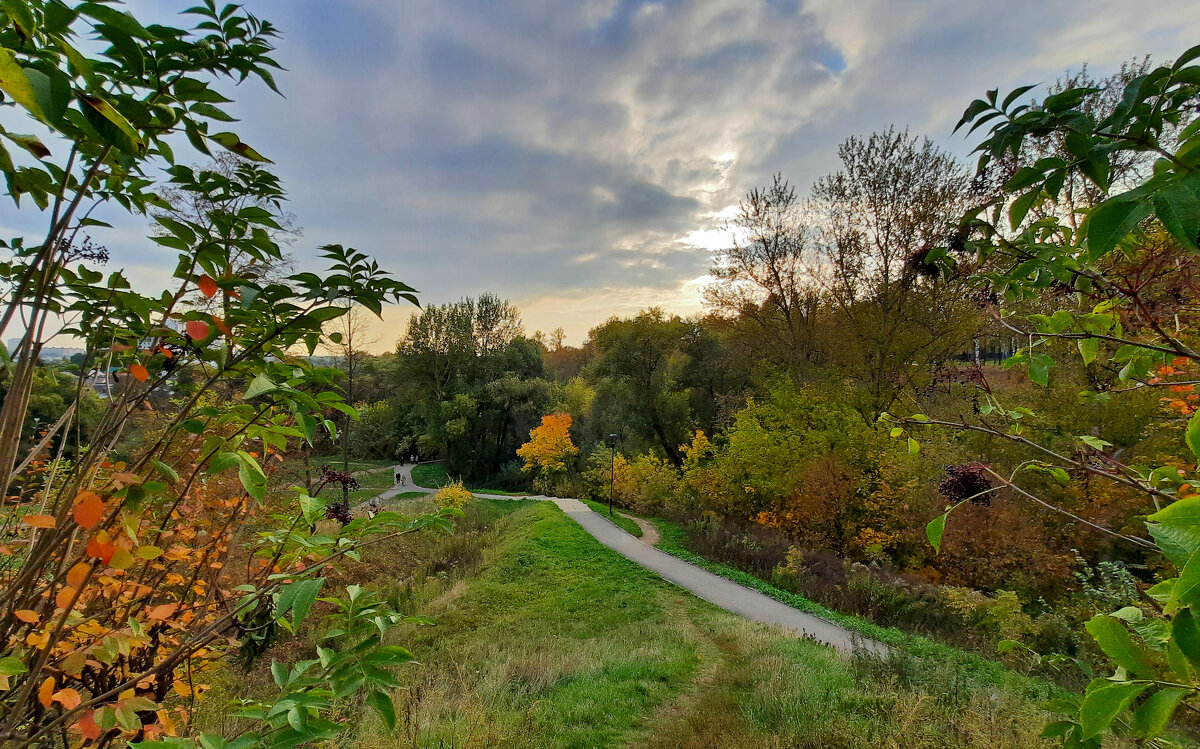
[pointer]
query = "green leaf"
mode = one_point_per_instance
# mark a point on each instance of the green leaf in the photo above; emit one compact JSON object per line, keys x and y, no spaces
{"x":1114,"y":639}
{"x":1110,"y":222}
{"x":1178,"y":208}
{"x":914,"y":447}
{"x":1187,"y":588}
{"x":383,"y":705}
{"x":937,"y":528}
{"x":1088,"y":348}
{"x":165,"y":470}
{"x":193,"y":426}
{"x":1152,"y":716}
{"x":298,"y":598}
{"x":111,"y":125}
{"x":1020,"y":207}
{"x":1177,"y":542}
{"x":53,"y":93}
{"x":1192,"y":435}
{"x":251,"y":476}
{"x":1094,"y":442}
{"x":230,"y":142}
{"x":20,"y":15}
{"x":1102,"y":705}
{"x":11,"y":665}
{"x":1185,"y":633}
{"x":258,"y":386}
{"x":1039,"y":369}
{"x":15,"y":83}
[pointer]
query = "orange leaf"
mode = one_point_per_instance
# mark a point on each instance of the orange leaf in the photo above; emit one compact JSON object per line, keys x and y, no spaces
{"x":88,"y":509}
{"x":27,"y":616}
{"x":100,"y":550}
{"x":207,"y":286}
{"x":163,"y":611}
{"x":46,"y":692}
{"x":197,"y":329}
{"x":78,"y":574}
{"x":140,"y":373}
{"x":39,"y":521}
{"x":68,"y":698}
{"x":87,"y":725}
{"x":121,"y":347}
{"x":64,"y":597}
{"x":221,"y":326}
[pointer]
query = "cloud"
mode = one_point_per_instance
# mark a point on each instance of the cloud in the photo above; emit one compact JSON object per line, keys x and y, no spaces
{"x":581,"y":157}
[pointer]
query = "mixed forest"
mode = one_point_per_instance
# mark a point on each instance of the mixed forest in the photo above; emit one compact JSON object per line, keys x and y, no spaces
{"x":951,"y":404}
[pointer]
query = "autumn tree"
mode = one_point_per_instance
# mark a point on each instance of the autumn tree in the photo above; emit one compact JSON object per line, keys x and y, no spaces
{"x":549,"y":450}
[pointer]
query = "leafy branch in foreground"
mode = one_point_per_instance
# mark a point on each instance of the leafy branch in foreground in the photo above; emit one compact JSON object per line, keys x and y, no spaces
{"x":1125,"y":261}
{"x":133,"y":566}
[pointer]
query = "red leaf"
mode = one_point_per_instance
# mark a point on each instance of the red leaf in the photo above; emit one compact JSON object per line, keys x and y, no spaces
{"x":140,"y":373}
{"x":87,"y":726}
{"x":208,"y":286}
{"x":197,"y":330}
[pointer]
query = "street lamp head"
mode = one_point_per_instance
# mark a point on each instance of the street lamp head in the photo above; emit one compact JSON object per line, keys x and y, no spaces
{"x":612,"y":440}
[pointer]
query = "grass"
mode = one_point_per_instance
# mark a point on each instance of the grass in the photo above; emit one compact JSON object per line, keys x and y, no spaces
{"x":500,"y":492}
{"x":620,"y":520}
{"x":551,"y":640}
{"x":430,"y":475}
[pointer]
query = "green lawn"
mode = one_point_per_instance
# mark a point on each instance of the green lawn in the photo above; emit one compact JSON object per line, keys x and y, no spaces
{"x":430,"y":475}
{"x":622,"y":522}
{"x":552,"y":640}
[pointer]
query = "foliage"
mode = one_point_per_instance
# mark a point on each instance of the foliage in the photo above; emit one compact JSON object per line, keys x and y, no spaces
{"x":452,"y":495}
{"x":549,"y":446}
{"x":1114,"y":263}
{"x":134,"y":568}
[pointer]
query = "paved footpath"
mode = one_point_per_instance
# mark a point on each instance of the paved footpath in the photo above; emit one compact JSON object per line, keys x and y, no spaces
{"x":713,"y":588}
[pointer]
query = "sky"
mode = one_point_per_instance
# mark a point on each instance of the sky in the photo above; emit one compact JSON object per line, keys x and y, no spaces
{"x":580,"y":158}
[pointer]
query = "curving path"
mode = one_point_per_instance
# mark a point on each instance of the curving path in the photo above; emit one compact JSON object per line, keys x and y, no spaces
{"x":715,"y":589}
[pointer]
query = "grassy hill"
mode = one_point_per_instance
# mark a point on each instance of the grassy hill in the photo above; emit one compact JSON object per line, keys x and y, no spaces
{"x":551,"y":640}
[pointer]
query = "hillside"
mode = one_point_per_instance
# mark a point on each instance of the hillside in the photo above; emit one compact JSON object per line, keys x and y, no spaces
{"x":552,"y":640}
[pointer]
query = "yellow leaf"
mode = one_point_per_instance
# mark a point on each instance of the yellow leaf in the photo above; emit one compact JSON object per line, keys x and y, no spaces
{"x":121,"y":559}
{"x":149,"y":552}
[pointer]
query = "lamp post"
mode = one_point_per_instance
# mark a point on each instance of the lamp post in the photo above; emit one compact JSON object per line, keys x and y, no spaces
{"x":612,"y":472}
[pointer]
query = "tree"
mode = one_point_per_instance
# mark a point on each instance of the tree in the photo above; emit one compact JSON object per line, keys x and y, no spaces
{"x":639,"y":359}
{"x":880,"y":215}
{"x":765,"y":274}
{"x":1136,"y":241}
{"x":549,"y":449}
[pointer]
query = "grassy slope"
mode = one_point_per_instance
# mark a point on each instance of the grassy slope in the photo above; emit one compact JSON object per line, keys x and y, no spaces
{"x":430,"y":475}
{"x":621,"y":521}
{"x":559,"y":642}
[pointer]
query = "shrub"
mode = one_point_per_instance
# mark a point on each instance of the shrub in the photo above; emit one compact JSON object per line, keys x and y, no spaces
{"x":452,"y":495}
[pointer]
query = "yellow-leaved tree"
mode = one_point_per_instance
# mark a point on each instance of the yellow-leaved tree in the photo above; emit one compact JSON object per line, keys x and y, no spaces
{"x":548,"y":450}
